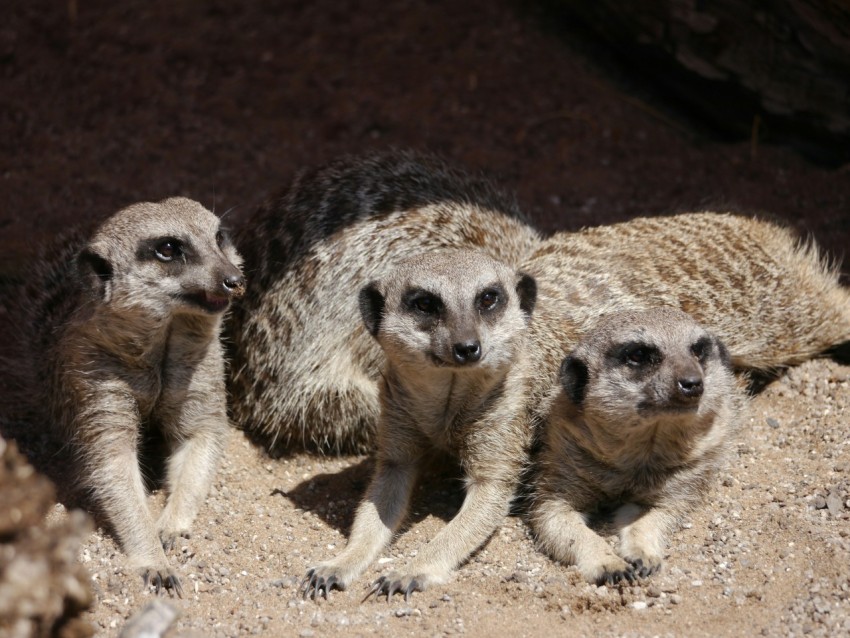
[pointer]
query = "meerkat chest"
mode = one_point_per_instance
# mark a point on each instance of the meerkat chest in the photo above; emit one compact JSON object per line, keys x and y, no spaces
{"x":442,"y":408}
{"x":146,"y":384}
{"x":640,"y":484}
{"x":608,"y":482}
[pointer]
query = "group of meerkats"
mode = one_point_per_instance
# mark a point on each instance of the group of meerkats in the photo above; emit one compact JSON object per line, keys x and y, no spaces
{"x":393,"y":304}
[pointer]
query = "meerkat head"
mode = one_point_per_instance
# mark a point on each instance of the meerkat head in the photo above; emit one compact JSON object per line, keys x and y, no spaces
{"x":642,"y":369}
{"x":166,"y":257}
{"x":449,"y":309}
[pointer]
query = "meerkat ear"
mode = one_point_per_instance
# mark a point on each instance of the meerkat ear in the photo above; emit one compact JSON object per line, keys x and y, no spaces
{"x":96,"y":271}
{"x":840,"y":353}
{"x":371,"y":307}
{"x":574,"y":378}
{"x":723,"y":352}
{"x":526,"y":289}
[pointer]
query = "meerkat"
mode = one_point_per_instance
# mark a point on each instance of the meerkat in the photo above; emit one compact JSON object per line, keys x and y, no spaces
{"x":304,"y":371}
{"x":125,"y":336}
{"x":643,"y":415}
{"x":452,"y":327}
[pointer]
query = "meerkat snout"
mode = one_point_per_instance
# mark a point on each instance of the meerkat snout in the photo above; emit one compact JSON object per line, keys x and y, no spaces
{"x":468,"y":351}
{"x":234,"y":283}
{"x":689,"y":383}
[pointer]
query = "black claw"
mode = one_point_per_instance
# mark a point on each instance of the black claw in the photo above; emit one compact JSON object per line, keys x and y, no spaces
{"x":412,"y":587}
{"x":616,"y":577}
{"x":308,"y":584}
{"x":172,"y":582}
{"x":314,"y":586}
{"x":375,"y":589}
{"x":641,"y":569}
{"x":305,"y":582}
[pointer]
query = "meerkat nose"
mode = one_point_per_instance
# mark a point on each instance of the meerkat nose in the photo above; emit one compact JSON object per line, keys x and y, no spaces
{"x":467,"y":352}
{"x":691,"y":386}
{"x":233,"y":283}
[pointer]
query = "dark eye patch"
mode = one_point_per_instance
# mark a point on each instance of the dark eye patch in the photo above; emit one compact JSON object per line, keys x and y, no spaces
{"x":163,"y":249}
{"x":168,"y":250}
{"x":423,"y":302}
{"x":701,"y":349}
{"x":636,"y":354}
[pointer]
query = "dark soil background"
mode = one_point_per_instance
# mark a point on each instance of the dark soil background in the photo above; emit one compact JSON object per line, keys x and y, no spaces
{"x":107,"y":103}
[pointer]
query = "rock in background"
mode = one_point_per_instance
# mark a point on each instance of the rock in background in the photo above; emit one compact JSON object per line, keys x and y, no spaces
{"x":776,"y":70}
{"x":43,"y":589}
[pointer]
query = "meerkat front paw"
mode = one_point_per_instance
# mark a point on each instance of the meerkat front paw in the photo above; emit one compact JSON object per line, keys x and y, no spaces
{"x":643,"y":563}
{"x":396,"y":582}
{"x":322,"y":578}
{"x":642,"y":548}
{"x":608,"y":569}
{"x":161,"y":578}
{"x":169,"y":538}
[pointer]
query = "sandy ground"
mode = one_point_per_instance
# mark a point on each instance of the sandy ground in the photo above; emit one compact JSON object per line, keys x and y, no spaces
{"x":769,"y":554}
{"x":103,"y":104}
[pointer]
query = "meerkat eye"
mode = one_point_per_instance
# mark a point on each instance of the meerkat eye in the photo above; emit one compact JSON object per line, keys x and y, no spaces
{"x":488,"y":299}
{"x":638,"y":355}
{"x":219,"y":239}
{"x":702,"y":349}
{"x":168,"y":250}
{"x":426,"y":304}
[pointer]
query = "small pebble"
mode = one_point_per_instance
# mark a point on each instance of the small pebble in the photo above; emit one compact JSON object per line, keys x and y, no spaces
{"x":834,"y":504}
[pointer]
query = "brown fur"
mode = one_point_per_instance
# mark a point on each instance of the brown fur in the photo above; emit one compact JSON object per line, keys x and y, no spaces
{"x":452,"y":326}
{"x":125,"y":333}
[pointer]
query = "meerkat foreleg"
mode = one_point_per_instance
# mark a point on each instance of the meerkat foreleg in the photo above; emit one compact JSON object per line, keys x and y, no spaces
{"x":643,"y":536}
{"x":111,"y":458}
{"x":562,"y":532}
{"x":644,"y":530}
{"x":378,"y":517}
{"x":484,"y":507}
{"x":190,"y":472}
{"x":193,"y":416}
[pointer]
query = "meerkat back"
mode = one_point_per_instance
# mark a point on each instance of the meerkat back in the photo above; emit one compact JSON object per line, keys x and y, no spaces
{"x":304,"y":371}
